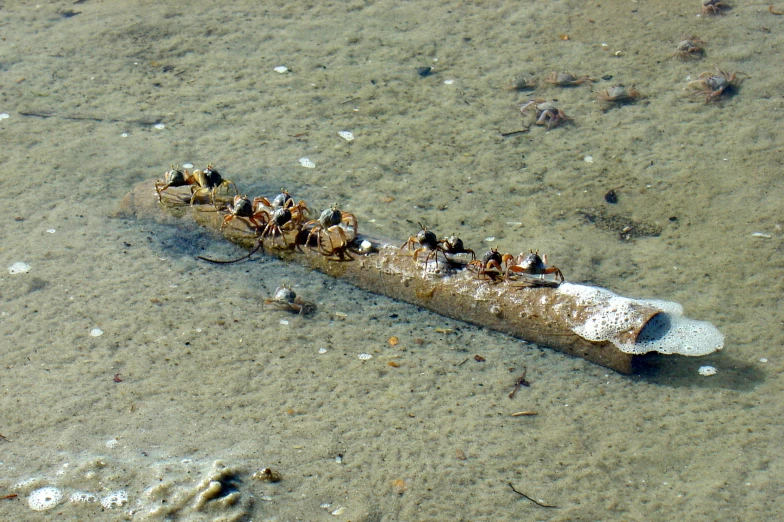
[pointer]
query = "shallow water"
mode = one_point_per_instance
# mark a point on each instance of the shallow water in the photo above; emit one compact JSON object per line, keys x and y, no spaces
{"x":207,"y":375}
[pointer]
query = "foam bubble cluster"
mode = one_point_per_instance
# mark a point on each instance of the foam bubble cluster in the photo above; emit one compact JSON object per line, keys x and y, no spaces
{"x":611,"y":317}
{"x":44,"y":498}
{"x":115,"y":499}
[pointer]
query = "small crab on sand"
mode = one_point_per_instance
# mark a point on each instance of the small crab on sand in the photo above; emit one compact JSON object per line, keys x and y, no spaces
{"x":713,"y":85}
{"x":689,"y":48}
{"x":520,"y":83}
{"x":618,"y":95}
{"x":565,"y":79}
{"x":546,"y":112}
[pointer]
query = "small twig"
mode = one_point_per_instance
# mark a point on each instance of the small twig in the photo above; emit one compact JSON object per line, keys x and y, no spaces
{"x":524,"y":413}
{"x":349,"y":100}
{"x":531,"y":499}
{"x":512,"y":133}
{"x":462,"y":363}
{"x":520,"y":382}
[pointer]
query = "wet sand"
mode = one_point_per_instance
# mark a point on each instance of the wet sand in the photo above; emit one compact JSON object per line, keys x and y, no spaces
{"x":207,"y":375}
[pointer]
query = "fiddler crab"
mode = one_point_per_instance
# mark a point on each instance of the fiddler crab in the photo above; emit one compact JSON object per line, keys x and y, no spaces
{"x":495,"y":266}
{"x":202,"y":182}
{"x":285,"y":299}
{"x":521,"y":83}
{"x":546,"y":112}
{"x":565,"y":79}
{"x":299,"y":211}
{"x":689,"y":48}
{"x":453,"y":245}
{"x":531,"y":264}
{"x":491,"y":265}
{"x":243,"y":208}
{"x":618,"y":95}
{"x":331,"y":227}
{"x":714,"y":7}
{"x":712,"y":86}
{"x":428,"y":244}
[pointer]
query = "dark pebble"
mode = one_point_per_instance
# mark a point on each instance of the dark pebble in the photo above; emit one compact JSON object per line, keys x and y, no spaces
{"x":611,"y":197}
{"x":424,"y":71}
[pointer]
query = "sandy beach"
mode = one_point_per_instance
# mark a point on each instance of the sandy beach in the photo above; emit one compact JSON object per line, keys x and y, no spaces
{"x":145,"y":384}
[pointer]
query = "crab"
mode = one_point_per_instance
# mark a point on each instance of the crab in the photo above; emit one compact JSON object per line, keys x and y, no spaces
{"x":453,"y":245}
{"x":201,"y":181}
{"x":491,"y":264}
{"x":520,"y":83}
{"x":279,"y":222}
{"x":207,"y":181}
{"x":712,"y":86}
{"x":284,"y":200}
{"x":546,"y":112}
{"x":530,"y":264}
{"x":285,"y":299}
{"x":714,"y":7}
{"x":331,"y":223}
{"x":689,"y":48}
{"x":242,"y":208}
{"x":427,"y":241}
{"x":565,"y":79}
{"x":618,"y":94}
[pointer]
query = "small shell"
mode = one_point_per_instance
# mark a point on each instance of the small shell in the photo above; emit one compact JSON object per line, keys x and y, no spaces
{"x":346,"y":135}
{"x":707,"y":371}
{"x":365,"y":356}
{"x":305,"y":162}
{"x":19,"y":268}
{"x":281,"y":69}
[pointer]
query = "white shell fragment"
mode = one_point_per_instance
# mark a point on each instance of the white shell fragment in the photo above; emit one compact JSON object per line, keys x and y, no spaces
{"x":305,"y":162}
{"x":4,"y":116}
{"x":322,"y":350}
{"x":763,"y":235}
{"x":44,"y":498}
{"x":19,"y":268}
{"x":112,"y":443}
{"x":707,"y":371}
{"x":588,"y":159}
{"x":96,"y":332}
{"x":365,"y":356}
{"x":366,"y":246}
{"x":346,"y":135}
{"x":280,"y":69}
{"x":159,"y":126}
{"x":187,"y":165}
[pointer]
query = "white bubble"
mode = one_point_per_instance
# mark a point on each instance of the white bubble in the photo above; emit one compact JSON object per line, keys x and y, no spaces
{"x":19,"y":268}
{"x":96,"y":332}
{"x":305,"y":162}
{"x":114,"y":499}
{"x":346,"y":135}
{"x":79,"y":497}
{"x":707,"y":371}
{"x":281,"y":69}
{"x":124,"y":135}
{"x":187,"y":165}
{"x":44,"y":498}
